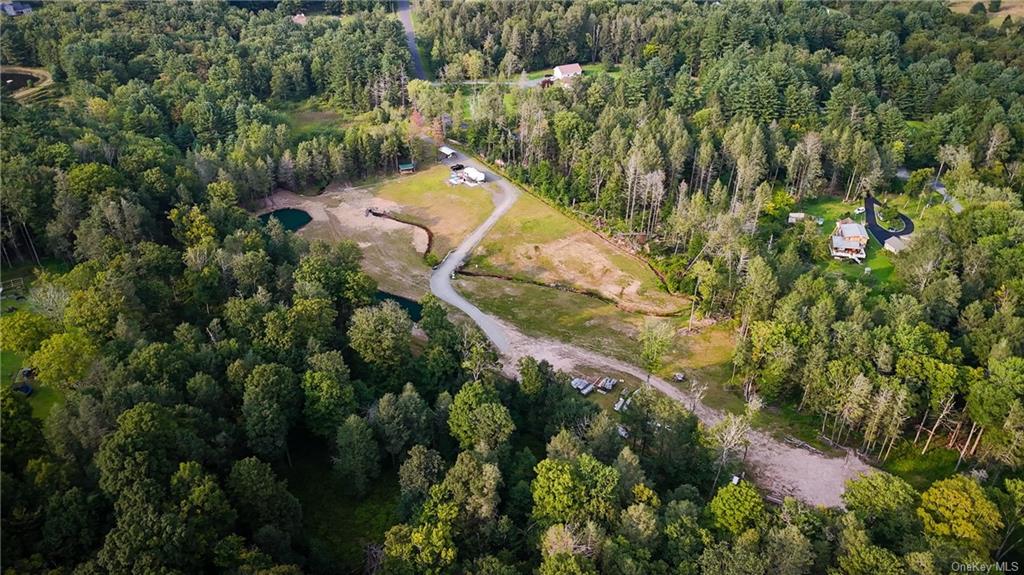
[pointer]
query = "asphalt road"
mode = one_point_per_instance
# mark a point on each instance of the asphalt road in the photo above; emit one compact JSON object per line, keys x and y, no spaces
{"x":440,"y":279}
{"x":405,"y":15}
{"x":880,"y":232}
{"x":954,"y":204}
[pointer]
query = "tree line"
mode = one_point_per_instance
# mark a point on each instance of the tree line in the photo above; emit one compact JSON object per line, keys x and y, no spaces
{"x":694,"y":149}
{"x":196,"y":346}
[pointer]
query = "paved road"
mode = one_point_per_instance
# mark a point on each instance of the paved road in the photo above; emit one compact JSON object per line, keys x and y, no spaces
{"x":528,"y":83}
{"x":405,"y":15}
{"x":440,"y":279}
{"x":404,"y":12}
{"x":780,"y":469}
{"x":938,"y":186}
{"x":880,"y":232}
{"x":954,"y":204}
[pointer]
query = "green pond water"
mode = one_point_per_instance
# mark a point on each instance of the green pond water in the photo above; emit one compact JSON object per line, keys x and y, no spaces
{"x":293,"y":220}
{"x":412,"y":307}
{"x":13,"y":81}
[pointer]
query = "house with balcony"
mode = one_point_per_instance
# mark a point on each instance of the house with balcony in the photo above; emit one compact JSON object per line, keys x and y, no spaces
{"x":849,"y":241}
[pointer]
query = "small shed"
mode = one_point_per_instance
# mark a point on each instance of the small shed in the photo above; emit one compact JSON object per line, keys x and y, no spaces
{"x":795,"y":217}
{"x":15,"y":8}
{"x":300,"y":19}
{"x":407,"y":168}
{"x":897,"y":244}
{"x":446,"y":152}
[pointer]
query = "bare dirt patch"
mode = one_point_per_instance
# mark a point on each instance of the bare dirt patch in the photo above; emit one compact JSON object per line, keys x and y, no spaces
{"x":536,"y":242}
{"x":392,"y":251}
{"x":348,"y":209}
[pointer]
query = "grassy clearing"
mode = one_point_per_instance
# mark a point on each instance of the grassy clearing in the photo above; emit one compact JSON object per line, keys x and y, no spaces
{"x":316,"y":116}
{"x":591,"y":69}
{"x":606,"y":401}
{"x":451,"y":212}
{"x":565,"y":316}
{"x":1014,"y":8}
{"x":43,"y":397}
{"x":832,"y":210}
{"x":919,"y":470}
{"x":534,"y":241}
{"x":334,"y":520}
{"x":604,"y":328}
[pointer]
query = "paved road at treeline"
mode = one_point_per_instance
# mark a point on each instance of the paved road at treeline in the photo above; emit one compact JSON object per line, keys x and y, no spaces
{"x":405,"y":15}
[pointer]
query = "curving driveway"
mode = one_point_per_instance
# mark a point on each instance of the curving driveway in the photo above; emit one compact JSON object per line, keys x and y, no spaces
{"x":880,"y":232}
{"x":780,"y":469}
{"x":440,"y":279}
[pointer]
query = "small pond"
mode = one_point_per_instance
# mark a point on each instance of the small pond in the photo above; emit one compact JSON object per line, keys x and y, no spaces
{"x":412,"y":307}
{"x":291,"y":218}
{"x":13,"y":81}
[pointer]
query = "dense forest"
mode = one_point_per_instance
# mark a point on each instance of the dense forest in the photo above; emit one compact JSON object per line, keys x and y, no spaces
{"x":199,"y":347}
{"x":714,"y":122}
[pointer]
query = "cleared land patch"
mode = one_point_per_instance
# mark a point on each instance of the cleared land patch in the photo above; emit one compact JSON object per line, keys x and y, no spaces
{"x":44,"y":397}
{"x":450,"y":211}
{"x":536,"y":242}
{"x":1013,"y":8}
{"x":601,"y":327}
{"x":393,"y":251}
{"x":833,"y":209}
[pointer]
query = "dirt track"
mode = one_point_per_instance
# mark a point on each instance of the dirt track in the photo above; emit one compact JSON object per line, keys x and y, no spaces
{"x":45,"y":80}
{"x":779,"y":469}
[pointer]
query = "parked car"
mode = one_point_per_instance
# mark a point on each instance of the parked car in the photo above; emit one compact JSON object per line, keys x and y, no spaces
{"x":860,"y":210}
{"x":679,"y":377}
{"x":457,"y":167}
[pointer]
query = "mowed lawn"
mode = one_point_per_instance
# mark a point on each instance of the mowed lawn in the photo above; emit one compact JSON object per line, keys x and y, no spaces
{"x":925,"y":211}
{"x":833,"y":209}
{"x":535,"y":242}
{"x":604,"y":328}
{"x":44,"y":397}
{"x":450,"y":212}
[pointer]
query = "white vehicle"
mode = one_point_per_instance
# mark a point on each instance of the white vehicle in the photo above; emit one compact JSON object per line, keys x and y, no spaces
{"x":859,"y":210}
